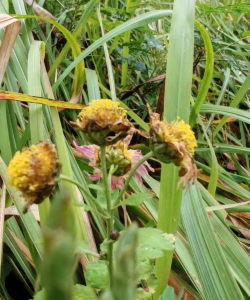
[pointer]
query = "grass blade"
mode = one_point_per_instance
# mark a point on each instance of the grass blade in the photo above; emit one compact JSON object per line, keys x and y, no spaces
{"x":216,"y":276}
{"x":206,"y":81}
{"x":176,"y":103}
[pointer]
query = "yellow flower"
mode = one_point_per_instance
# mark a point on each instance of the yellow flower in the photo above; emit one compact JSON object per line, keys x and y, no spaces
{"x":174,"y":142}
{"x":174,"y":132}
{"x":103,"y":122}
{"x":33,"y":172}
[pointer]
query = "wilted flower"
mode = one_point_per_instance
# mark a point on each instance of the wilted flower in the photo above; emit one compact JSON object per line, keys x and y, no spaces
{"x":174,"y":142}
{"x":118,"y":155}
{"x":33,"y":172}
{"x":103,"y":122}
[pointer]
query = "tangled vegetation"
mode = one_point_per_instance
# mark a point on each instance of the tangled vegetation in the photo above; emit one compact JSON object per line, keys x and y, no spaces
{"x":145,"y":195}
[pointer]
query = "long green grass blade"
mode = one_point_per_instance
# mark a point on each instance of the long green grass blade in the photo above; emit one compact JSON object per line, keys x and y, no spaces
{"x":214,"y":164}
{"x":5,"y":145}
{"x":236,"y":113}
{"x":37,"y":128}
{"x":20,"y":257}
{"x":237,"y":99}
{"x":214,"y":272}
{"x":27,"y":219}
{"x":176,"y":103}
{"x":92,"y":85}
{"x":206,"y":81}
{"x":35,"y":88}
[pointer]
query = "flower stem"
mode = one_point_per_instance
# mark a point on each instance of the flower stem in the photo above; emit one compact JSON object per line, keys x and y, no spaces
{"x":136,"y":166}
{"x":110,"y":221}
{"x":86,"y":193}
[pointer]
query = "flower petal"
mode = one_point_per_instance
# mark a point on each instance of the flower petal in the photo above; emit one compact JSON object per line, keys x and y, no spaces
{"x":117,"y":182}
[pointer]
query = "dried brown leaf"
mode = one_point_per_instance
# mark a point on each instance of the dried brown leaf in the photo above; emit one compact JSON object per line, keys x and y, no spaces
{"x":13,"y":27}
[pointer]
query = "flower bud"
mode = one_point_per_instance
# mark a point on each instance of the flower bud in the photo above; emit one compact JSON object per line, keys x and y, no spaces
{"x":114,"y":235}
{"x":119,"y":158}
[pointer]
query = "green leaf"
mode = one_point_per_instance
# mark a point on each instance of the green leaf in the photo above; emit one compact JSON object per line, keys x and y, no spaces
{"x":245,"y":33}
{"x":29,"y":271}
{"x":137,"y":199}
{"x":236,"y":101}
{"x":237,"y":113}
{"x":185,"y":257}
{"x":83,"y":248}
{"x":86,"y":207}
{"x":214,"y":271}
{"x":97,"y":187}
{"x":79,"y":292}
{"x":208,"y":75}
{"x":144,"y":268}
{"x":176,"y":104}
{"x":220,"y":207}
{"x":97,"y":275}
{"x":168,"y":294}
{"x":124,"y":278}
{"x":59,"y":261}
{"x":27,"y":219}
{"x":153,"y":242}
{"x":40,"y":295}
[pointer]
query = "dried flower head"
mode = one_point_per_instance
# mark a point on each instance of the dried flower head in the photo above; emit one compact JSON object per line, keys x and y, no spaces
{"x":118,"y":155}
{"x":33,"y":172}
{"x":174,"y":142}
{"x":103,"y":122}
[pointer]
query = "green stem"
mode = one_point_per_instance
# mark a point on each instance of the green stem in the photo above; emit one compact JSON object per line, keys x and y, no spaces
{"x":125,"y":53}
{"x":136,"y":166}
{"x":110,"y":221}
{"x":92,"y":198}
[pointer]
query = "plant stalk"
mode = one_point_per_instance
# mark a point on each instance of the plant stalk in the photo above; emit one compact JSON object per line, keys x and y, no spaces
{"x":136,"y":166}
{"x":110,"y":221}
{"x":176,"y":103}
{"x":92,"y":198}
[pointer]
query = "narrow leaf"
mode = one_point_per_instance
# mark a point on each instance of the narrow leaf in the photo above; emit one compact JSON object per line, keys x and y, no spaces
{"x":4,"y":95}
{"x":215,"y":274}
{"x":137,"y":199}
{"x":206,"y":81}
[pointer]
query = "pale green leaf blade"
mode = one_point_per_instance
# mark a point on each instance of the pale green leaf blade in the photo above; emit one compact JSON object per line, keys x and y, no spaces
{"x":236,"y":113}
{"x":137,"y":199}
{"x":237,"y":99}
{"x":215,"y":274}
